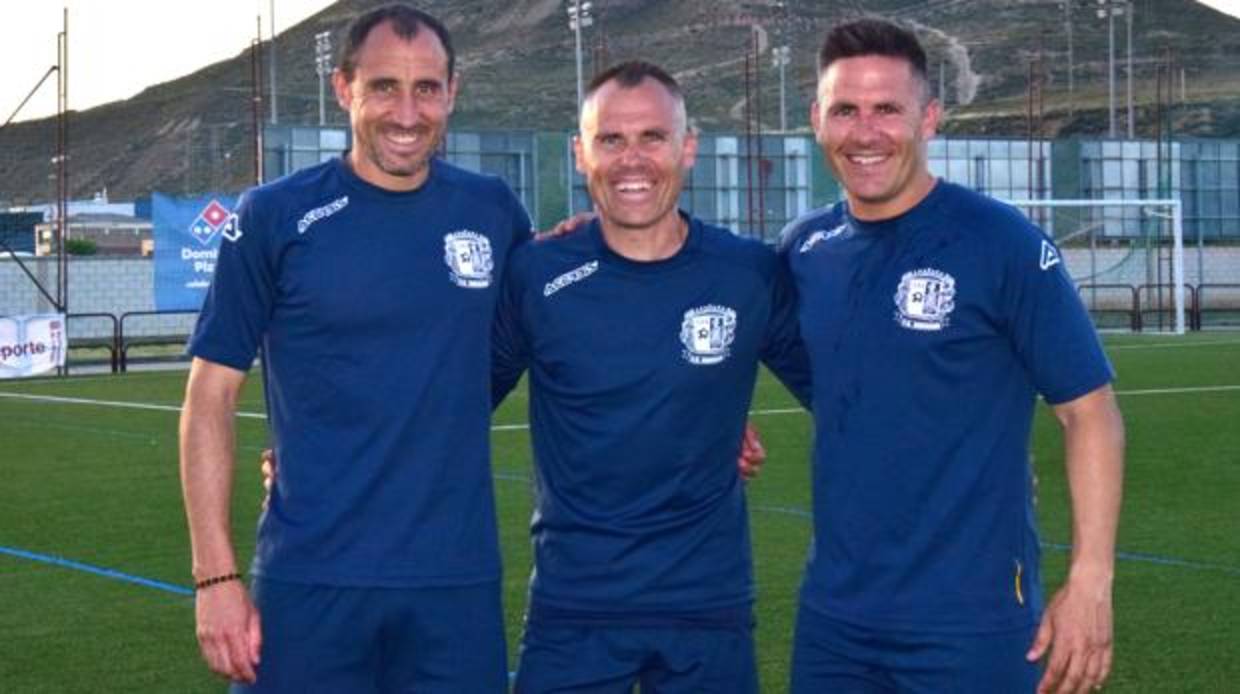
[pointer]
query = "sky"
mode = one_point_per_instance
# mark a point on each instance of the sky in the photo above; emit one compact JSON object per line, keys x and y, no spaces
{"x":117,"y":48}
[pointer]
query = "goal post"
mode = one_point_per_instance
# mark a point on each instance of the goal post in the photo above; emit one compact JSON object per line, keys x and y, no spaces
{"x":1125,"y":255}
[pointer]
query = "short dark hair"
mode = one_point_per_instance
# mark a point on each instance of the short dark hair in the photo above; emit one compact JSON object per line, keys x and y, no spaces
{"x":629,"y":74}
{"x":869,"y":36}
{"x":406,"y":21}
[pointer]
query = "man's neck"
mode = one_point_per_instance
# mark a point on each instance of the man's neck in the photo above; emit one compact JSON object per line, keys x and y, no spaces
{"x":659,"y":241}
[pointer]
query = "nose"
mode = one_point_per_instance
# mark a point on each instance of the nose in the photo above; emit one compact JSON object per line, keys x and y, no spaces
{"x":631,"y":153}
{"x":865,"y":128}
{"x":405,"y":111}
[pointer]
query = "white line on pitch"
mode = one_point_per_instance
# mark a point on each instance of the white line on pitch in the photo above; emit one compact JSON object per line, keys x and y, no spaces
{"x":112,"y":403}
{"x":519,"y":427}
{"x":1174,"y":391}
{"x":1166,"y":345}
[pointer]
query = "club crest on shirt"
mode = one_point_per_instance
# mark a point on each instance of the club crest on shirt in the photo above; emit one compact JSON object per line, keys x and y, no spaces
{"x":707,"y":333}
{"x":925,"y":299}
{"x":468,"y":255}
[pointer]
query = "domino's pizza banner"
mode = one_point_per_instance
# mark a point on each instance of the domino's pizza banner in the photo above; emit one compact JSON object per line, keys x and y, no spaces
{"x":31,"y":345}
{"x":187,"y":234}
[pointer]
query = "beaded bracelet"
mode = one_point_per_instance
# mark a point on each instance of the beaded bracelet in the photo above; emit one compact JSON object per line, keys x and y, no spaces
{"x":216,"y":580}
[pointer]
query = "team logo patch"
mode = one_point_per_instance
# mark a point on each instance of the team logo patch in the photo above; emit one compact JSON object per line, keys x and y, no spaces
{"x":468,"y":255}
{"x":925,"y":299}
{"x":707,"y":333}
{"x":575,"y":275}
{"x":818,"y":236}
{"x":1050,"y":256}
{"x":211,"y":221}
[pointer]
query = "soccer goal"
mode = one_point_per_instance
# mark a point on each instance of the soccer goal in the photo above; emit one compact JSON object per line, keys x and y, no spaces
{"x":1126,"y":257}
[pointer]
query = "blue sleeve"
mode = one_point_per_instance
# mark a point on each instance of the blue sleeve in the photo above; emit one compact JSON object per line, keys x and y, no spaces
{"x":239,"y":301}
{"x":783,"y":351}
{"x":510,"y":354}
{"x":1048,"y":325}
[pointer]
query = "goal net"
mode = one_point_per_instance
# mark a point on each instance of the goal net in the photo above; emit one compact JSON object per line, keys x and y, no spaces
{"x":1126,"y":257}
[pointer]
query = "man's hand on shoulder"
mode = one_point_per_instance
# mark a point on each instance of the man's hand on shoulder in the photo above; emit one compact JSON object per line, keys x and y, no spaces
{"x":566,"y":226}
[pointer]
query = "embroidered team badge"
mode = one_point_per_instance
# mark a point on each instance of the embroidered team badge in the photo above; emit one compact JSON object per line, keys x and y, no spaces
{"x":468,"y":255}
{"x":925,"y":299}
{"x":707,"y":333}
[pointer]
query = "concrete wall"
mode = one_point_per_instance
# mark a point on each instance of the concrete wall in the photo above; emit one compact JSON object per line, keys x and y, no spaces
{"x":96,"y":285}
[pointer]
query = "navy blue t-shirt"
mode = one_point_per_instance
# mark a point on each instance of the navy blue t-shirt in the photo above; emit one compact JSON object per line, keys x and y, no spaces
{"x":930,"y":335}
{"x":641,"y":375}
{"x":373,"y":310}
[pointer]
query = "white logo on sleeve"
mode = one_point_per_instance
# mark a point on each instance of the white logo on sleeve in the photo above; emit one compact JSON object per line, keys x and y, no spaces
{"x":707,"y":333}
{"x":321,"y":212}
{"x":925,"y":299}
{"x":1050,"y":256}
{"x":575,"y":275}
{"x":819,"y":235}
{"x":231,"y":229}
{"x":468,"y":255}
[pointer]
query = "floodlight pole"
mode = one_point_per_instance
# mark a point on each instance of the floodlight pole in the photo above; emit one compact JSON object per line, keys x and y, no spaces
{"x":1129,"y":10}
{"x":780,"y":55}
{"x":323,"y":66}
{"x":578,"y":17}
{"x":272,"y":15}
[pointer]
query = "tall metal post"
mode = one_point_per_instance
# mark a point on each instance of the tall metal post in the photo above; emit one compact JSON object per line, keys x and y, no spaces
{"x":272,"y":16}
{"x":1129,"y":11}
{"x":578,"y":17}
{"x":780,"y":56}
{"x":1067,"y":22}
{"x":1110,"y":12}
{"x":322,"y":66}
{"x":256,"y":98}
{"x":62,"y":166}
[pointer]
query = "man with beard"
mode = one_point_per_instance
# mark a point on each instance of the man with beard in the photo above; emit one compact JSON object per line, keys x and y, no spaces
{"x":369,"y":283}
{"x":933,"y":317}
{"x":642,"y":333}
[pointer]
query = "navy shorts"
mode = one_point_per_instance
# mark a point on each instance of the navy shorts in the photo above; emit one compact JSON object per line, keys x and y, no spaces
{"x":318,"y":638}
{"x":612,"y":659}
{"x":829,"y":655}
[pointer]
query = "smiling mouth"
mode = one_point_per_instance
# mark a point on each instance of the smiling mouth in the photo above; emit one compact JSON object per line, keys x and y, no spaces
{"x":633,"y":187}
{"x":403,"y":139}
{"x":866,"y":159}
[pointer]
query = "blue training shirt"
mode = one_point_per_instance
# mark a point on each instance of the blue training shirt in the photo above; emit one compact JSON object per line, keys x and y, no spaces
{"x":641,"y":375}
{"x":373,"y":310}
{"x":930,"y":335}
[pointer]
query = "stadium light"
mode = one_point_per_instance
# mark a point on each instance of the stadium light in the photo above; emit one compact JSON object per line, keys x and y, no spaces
{"x":323,"y":66}
{"x":779,"y":55}
{"x":578,"y":17}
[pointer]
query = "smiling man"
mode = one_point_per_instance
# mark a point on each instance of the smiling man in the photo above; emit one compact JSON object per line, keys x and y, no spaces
{"x":642,"y":334}
{"x":369,"y":283}
{"x":933,"y":317}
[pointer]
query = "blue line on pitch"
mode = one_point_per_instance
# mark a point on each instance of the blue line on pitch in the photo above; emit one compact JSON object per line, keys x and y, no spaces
{"x":1124,"y":556}
{"x":1155,"y":559}
{"x":97,"y":570}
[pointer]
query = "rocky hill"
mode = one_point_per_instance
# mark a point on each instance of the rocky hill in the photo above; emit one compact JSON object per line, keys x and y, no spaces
{"x":517,"y":68}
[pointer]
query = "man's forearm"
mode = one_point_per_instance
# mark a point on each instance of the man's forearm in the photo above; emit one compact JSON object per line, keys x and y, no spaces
{"x":1094,"y":458}
{"x":207,"y":441}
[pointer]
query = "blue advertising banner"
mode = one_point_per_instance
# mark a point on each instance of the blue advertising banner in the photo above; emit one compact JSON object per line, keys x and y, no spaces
{"x":187,"y":235}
